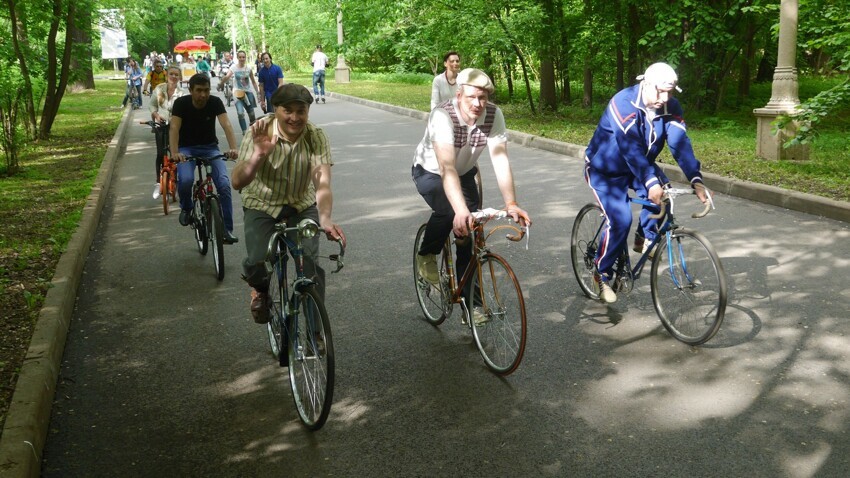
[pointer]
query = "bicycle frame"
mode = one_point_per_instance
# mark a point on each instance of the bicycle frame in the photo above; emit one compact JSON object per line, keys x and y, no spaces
{"x":665,"y":230}
{"x":479,"y":249}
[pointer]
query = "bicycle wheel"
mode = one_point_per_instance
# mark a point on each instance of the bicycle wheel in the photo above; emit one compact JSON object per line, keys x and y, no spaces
{"x":199,"y":222}
{"x":311,"y":359}
{"x":216,"y":231}
{"x":277,"y":292}
{"x":163,"y":190}
{"x":584,"y":241}
{"x":435,"y":300}
{"x":498,"y":314}
{"x":689,"y":287}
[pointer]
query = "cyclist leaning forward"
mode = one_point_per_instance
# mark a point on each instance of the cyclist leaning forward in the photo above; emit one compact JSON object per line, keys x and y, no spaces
{"x":621,"y":155}
{"x":445,"y":164}
{"x":284,"y":174}
{"x":192,"y":133}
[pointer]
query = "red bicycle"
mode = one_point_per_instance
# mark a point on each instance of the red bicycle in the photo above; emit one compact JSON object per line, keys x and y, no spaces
{"x":168,"y":171}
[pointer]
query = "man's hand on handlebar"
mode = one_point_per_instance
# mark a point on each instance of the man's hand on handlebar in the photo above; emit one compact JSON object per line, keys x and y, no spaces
{"x":518,"y":215}
{"x":702,"y":192}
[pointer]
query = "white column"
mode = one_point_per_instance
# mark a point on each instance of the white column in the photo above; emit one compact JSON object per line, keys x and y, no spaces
{"x":783,"y":98}
{"x":342,"y":73}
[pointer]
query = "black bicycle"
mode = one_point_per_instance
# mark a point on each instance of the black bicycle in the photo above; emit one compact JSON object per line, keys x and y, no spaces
{"x":299,"y":330}
{"x":207,"y":219}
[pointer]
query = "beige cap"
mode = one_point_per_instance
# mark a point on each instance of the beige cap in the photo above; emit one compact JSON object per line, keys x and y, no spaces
{"x":475,"y":77}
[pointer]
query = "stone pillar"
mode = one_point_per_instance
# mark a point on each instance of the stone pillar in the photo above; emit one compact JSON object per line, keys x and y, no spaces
{"x":783,"y":98}
{"x":342,"y":73}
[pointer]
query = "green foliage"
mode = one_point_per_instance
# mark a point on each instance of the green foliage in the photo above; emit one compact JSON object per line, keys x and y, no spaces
{"x":12,"y":131}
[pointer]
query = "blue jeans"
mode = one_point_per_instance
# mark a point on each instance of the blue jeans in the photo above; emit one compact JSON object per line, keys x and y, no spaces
{"x":318,"y":79}
{"x":248,"y":103}
{"x":186,"y":176}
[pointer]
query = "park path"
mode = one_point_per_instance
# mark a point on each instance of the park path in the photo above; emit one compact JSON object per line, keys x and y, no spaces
{"x":165,"y":374}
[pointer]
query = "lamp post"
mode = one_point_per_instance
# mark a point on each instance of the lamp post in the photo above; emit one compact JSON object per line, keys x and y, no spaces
{"x":342,"y":73}
{"x":783,"y":98}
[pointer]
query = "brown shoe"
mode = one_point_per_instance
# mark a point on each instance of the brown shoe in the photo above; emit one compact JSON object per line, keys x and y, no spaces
{"x":260,"y":306}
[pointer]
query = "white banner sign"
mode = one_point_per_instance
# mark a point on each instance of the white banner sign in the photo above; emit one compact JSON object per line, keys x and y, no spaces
{"x":113,"y":37}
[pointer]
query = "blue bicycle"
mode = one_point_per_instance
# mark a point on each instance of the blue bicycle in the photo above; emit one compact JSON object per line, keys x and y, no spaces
{"x":299,"y":331}
{"x":687,"y":280}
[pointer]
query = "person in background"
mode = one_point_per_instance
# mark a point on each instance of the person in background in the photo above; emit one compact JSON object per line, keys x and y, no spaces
{"x":155,"y":77}
{"x":270,"y":77}
{"x":319,"y":62}
{"x":245,"y":99}
{"x":162,"y":101}
{"x":444,"y":86}
{"x":203,"y":67}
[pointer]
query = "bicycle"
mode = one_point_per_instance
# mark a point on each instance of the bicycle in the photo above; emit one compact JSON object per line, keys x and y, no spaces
{"x":133,"y":95}
{"x":299,"y":330}
{"x":493,"y":298}
{"x":168,"y":171}
{"x":207,"y":220}
{"x":687,"y":280}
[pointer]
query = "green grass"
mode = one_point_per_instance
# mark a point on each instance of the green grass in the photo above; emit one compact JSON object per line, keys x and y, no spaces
{"x":725,"y":143}
{"x":43,"y":203}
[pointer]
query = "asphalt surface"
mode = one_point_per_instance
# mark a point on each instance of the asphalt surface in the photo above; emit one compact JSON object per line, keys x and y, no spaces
{"x":165,"y":374}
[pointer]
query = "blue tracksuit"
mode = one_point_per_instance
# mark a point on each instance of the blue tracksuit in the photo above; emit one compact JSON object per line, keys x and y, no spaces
{"x":621,"y":155}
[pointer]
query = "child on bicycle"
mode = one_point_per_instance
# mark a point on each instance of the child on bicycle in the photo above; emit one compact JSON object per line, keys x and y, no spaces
{"x":621,"y":155}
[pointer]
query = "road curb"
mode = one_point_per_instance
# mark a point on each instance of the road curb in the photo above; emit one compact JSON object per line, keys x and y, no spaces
{"x":775,"y":196}
{"x":28,"y":418}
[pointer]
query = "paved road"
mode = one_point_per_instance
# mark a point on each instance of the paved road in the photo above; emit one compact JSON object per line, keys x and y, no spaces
{"x":166,"y":375}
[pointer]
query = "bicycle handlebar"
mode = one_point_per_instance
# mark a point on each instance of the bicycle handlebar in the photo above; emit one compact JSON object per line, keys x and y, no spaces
{"x":670,"y":194}
{"x":204,"y":160}
{"x":484,"y":215}
{"x":309,"y":228}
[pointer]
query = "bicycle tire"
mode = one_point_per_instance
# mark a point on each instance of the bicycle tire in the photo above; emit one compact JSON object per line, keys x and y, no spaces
{"x":584,"y":242}
{"x":501,"y":336}
{"x":199,"y":222}
{"x":163,"y":190}
{"x":216,"y":229}
{"x":311,"y":359}
{"x":434,"y":300}
{"x":172,"y":185}
{"x":277,"y":294}
{"x":689,"y":287}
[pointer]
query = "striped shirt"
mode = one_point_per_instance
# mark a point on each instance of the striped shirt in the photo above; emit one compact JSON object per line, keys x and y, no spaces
{"x":285,"y":178}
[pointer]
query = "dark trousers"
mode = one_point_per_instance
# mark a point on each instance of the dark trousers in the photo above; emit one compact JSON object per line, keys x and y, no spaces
{"x":430,"y":186}
{"x":161,"y":135}
{"x":259,"y":228}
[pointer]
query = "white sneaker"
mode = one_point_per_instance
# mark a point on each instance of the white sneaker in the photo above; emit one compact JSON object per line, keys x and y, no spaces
{"x":156,"y":191}
{"x":427,"y":265}
{"x":603,"y":290}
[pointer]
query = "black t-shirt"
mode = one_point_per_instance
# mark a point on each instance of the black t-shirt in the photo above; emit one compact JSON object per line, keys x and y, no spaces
{"x":198,"y":125}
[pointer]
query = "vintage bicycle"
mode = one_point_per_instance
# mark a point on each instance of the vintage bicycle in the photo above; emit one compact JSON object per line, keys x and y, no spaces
{"x":488,"y":292}
{"x":207,"y":220}
{"x":687,"y":280}
{"x":299,"y":331}
{"x":168,"y":171}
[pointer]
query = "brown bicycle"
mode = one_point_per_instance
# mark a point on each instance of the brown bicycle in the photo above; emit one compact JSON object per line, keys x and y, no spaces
{"x":492,"y":306}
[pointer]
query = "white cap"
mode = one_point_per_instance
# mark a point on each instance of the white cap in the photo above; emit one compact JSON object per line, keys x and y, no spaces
{"x":661,"y":75}
{"x":475,"y":77}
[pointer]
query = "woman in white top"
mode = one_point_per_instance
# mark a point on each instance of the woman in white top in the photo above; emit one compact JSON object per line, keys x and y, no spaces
{"x":444,"y":86}
{"x":162,"y":99}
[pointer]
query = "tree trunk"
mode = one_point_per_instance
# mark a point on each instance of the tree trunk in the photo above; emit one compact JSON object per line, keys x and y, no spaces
{"x":548,"y":93}
{"x":81,"y":39}
{"x":56,"y":89}
{"x":744,"y":73}
{"x":169,"y":28}
{"x":618,"y":39}
{"x":17,"y":17}
{"x":587,"y":96}
{"x":563,"y":62}
{"x":633,"y":62}
{"x":521,"y":62}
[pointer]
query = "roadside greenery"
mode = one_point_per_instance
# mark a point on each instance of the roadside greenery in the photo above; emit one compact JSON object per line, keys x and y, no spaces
{"x":725,"y":144}
{"x":40,"y":208}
